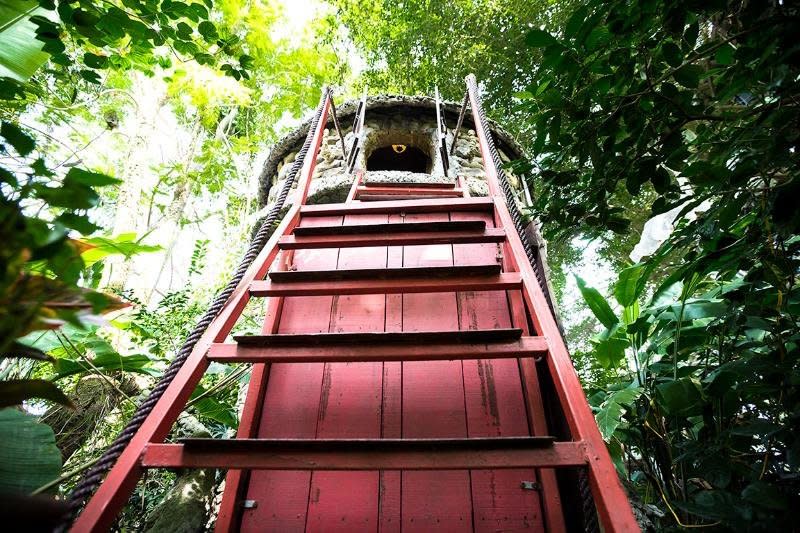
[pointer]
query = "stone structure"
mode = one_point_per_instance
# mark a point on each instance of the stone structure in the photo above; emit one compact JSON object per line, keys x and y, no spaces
{"x":389,"y":120}
{"x":408,"y":123}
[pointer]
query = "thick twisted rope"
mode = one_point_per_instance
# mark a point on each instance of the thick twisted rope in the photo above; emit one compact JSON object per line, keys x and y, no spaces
{"x":588,"y":506}
{"x":531,"y":251}
{"x":89,"y":483}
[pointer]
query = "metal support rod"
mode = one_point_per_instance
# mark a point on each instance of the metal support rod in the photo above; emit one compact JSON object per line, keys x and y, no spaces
{"x":358,"y":132}
{"x":460,"y":121}
{"x":338,"y":129}
{"x":441,"y":133}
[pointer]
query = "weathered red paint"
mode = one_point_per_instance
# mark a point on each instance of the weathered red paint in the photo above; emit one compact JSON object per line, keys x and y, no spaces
{"x":234,"y":353}
{"x":291,"y":456}
{"x":613,"y":507}
{"x":103,"y":507}
{"x":481,"y":400}
{"x":446,"y":238}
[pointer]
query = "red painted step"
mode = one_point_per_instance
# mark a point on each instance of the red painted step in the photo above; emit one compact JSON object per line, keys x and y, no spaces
{"x":309,"y":350}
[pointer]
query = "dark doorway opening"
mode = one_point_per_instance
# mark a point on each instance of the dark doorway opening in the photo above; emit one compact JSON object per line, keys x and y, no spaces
{"x":399,"y":157}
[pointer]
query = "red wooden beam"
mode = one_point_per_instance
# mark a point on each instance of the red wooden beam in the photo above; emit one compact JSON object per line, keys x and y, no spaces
{"x":103,"y":507}
{"x":290,"y":242}
{"x":500,"y":282}
{"x":378,"y":454}
{"x":293,"y":276}
{"x":441,"y":205}
{"x":428,"y":192}
{"x":235,"y":480}
{"x":407,"y":227}
{"x":612,"y":503}
{"x":419,"y":184}
{"x":236,"y":353}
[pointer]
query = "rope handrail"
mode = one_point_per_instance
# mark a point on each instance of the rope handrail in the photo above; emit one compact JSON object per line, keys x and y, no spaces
{"x":92,"y":480}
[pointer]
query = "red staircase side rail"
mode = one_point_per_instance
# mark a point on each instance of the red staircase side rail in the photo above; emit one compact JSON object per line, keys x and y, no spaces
{"x":102,"y":509}
{"x":587,"y":447}
{"x":612,"y":503}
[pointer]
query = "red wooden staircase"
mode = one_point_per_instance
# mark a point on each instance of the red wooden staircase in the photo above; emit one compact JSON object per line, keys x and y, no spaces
{"x":397,"y":382}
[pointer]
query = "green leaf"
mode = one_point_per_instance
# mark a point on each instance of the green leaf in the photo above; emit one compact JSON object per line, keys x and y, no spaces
{"x":609,"y":417}
{"x":697,"y":309}
{"x":689,"y":75}
{"x":672,"y":54}
{"x":21,"y":141}
{"x":629,"y":285}
{"x":210,"y":407}
{"x":598,"y":38}
{"x":126,"y":363}
{"x":681,"y":397}
{"x":618,"y":224}
{"x":184,"y":30}
{"x":16,"y":391}
{"x":610,"y":351}
{"x":29,"y":457}
{"x":90,"y":76}
{"x":539,"y":39}
{"x":91,"y":179}
{"x":125,"y":244}
{"x":95,"y":61}
{"x":21,"y":52}
{"x":765,"y":495}
{"x":575,"y":22}
{"x":72,"y":195}
{"x":208,"y":31}
{"x":597,"y":304}
{"x":80,"y":223}
{"x":724,"y":55}
{"x":602,"y":85}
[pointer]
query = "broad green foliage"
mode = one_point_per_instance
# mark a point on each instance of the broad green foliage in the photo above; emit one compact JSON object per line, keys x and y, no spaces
{"x":29,"y":457}
{"x":70,"y":74}
{"x":21,"y":54}
{"x":412,"y":46}
{"x":688,"y":106}
{"x":632,"y":109}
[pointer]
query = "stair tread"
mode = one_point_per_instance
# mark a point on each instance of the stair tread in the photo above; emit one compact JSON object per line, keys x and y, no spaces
{"x":412,"y":238}
{"x":504,"y":281}
{"x":438,"y":350}
{"x":367,"y":196}
{"x":413,"y":184}
{"x":425,"y":205}
{"x":293,"y":276}
{"x":404,"y":337}
{"x":367,"y":454}
{"x":388,"y":227}
{"x":367,"y":445}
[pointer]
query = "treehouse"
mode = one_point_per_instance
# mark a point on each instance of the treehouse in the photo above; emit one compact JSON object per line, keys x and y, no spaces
{"x":410,"y":374}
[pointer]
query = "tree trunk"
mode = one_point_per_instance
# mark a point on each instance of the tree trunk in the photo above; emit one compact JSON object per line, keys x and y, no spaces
{"x":187,"y":504}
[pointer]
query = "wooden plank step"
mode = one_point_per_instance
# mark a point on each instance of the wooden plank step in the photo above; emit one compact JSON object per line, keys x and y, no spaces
{"x":344,"y":352}
{"x":369,"y":197}
{"x":415,"y":184}
{"x":407,"y":227}
{"x":505,"y":281}
{"x":293,"y":242}
{"x":428,"y":205}
{"x":366,"y":454}
{"x":380,"y":337}
{"x":439,"y":272}
{"x":425,"y":192}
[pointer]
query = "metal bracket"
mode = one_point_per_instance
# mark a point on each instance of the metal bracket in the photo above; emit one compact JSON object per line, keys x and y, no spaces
{"x":530,"y":485}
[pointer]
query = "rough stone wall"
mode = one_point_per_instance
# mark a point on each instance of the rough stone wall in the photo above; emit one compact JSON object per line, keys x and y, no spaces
{"x":396,"y":120}
{"x":331,"y":182}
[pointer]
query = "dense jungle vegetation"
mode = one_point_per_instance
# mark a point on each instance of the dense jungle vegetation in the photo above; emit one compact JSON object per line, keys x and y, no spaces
{"x":133,"y":131}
